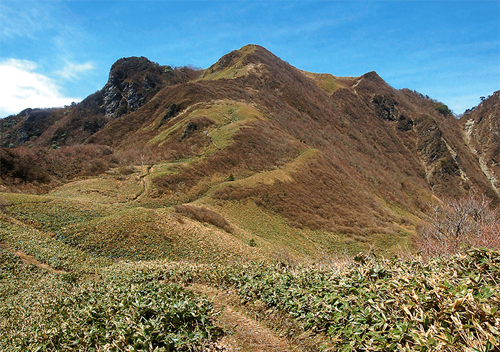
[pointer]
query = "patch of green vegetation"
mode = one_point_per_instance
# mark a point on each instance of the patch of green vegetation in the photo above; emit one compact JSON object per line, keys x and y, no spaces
{"x":442,"y":108}
{"x":101,"y":189}
{"x":45,"y":247}
{"x":274,"y":234}
{"x":376,"y":304}
{"x":166,"y":134}
{"x":236,"y":69}
{"x":22,"y":198}
{"x":327,"y":82}
{"x":44,"y":312}
{"x":229,"y":116}
{"x":128,"y":234}
{"x":55,"y":214}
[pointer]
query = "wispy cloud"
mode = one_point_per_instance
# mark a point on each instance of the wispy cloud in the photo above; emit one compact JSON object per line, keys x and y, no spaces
{"x":20,"y":19}
{"x":22,"y":87}
{"x":72,"y":70}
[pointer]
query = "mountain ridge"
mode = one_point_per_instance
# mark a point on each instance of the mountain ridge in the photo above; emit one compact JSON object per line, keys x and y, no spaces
{"x":375,"y":155}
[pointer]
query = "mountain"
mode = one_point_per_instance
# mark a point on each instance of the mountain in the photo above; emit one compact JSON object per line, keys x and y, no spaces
{"x":348,"y":155}
{"x":482,"y":135}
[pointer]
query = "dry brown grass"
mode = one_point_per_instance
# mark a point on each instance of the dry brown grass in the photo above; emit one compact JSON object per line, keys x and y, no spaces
{"x":203,"y":214}
{"x":43,"y":168}
{"x":255,"y":148}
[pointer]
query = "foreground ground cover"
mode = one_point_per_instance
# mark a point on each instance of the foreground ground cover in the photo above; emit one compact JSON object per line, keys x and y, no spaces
{"x":374,"y":305}
{"x":120,"y":277}
{"x":43,"y":311}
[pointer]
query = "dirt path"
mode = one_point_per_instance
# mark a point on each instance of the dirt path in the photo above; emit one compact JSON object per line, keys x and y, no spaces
{"x":246,"y":334}
{"x":28,"y":259}
{"x":144,"y":182}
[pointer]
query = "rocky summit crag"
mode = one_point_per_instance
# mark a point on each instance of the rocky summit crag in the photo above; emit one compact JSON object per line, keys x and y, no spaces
{"x":347,"y":155}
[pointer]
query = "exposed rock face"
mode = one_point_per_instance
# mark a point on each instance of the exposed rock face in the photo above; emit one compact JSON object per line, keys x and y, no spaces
{"x":386,"y":107}
{"x":132,"y":82}
{"x":33,"y":122}
{"x":171,"y":111}
{"x":191,"y":127}
{"x":482,"y":135}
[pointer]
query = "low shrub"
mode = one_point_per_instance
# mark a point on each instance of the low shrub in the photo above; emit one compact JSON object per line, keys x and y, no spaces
{"x":112,"y":316}
{"x":203,"y":214}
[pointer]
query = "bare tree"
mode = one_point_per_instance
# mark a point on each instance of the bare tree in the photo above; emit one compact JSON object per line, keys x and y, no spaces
{"x":455,"y":225}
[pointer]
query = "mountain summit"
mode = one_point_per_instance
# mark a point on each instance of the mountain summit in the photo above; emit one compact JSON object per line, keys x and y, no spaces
{"x":347,"y":155}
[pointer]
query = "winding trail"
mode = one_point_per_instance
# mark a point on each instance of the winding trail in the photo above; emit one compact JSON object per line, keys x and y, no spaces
{"x":246,"y":334}
{"x":144,"y":183}
{"x":28,"y":259}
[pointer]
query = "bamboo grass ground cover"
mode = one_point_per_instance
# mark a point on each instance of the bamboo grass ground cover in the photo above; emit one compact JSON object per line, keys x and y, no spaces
{"x":449,"y":304}
{"x":42,"y":311}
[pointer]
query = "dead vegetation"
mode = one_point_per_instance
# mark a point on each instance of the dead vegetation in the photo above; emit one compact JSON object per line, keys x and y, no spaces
{"x":40,"y":169}
{"x":203,"y":214}
{"x":455,"y":225}
{"x":380,"y":148}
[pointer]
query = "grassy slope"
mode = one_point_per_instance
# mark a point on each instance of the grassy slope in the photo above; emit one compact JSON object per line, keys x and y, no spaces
{"x":97,"y":231}
{"x":113,"y":216}
{"x":368,"y":304}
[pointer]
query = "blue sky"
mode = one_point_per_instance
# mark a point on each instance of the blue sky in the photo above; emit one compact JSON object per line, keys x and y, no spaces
{"x":56,"y":52}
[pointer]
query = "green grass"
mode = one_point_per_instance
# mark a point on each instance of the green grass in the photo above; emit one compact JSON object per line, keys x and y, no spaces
{"x":229,"y":116}
{"x":329,"y":83}
{"x":47,"y":248}
{"x":236,"y":69}
{"x":42,"y":311}
{"x":362,"y":303}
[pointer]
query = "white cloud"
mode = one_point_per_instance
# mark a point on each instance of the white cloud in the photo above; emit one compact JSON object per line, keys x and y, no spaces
{"x":72,"y":70}
{"x":21,"y":87}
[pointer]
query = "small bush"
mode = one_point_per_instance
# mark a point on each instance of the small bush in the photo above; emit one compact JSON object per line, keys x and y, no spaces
{"x":203,"y":214}
{"x":127,"y":170}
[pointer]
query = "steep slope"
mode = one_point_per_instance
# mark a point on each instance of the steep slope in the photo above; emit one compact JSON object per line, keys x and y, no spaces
{"x":378,"y":147}
{"x":347,"y":155}
{"x":482,"y":135}
{"x":132,"y":82}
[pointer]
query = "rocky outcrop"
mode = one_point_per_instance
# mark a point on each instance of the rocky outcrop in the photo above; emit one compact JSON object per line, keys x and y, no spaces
{"x":132,"y":82}
{"x":32,"y":124}
{"x":482,"y":135}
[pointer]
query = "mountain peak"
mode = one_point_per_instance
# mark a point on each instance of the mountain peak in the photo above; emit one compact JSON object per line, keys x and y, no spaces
{"x":373,"y":76}
{"x":250,"y":58}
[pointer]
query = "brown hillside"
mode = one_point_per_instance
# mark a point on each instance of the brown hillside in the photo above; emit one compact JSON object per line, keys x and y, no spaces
{"x":132,"y":82}
{"x":354,"y":155}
